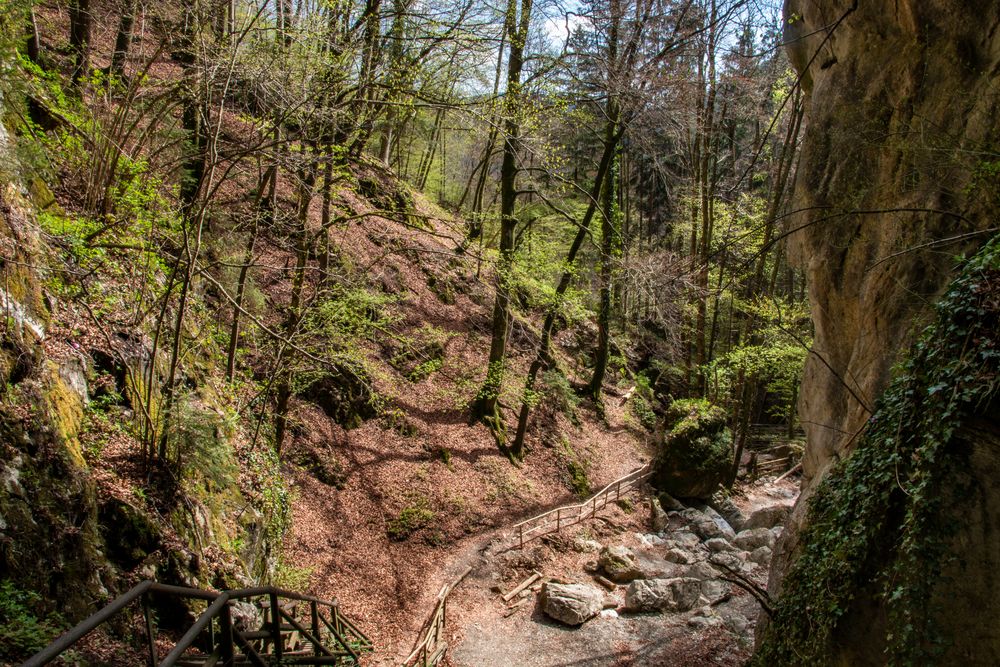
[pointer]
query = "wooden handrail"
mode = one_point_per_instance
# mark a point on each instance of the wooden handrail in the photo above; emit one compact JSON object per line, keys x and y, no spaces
{"x":218,"y":607}
{"x":524,"y":529}
{"x":433,"y":626}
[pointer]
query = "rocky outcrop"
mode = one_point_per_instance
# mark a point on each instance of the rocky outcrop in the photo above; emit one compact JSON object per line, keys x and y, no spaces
{"x":696,"y":453}
{"x":898,"y":175}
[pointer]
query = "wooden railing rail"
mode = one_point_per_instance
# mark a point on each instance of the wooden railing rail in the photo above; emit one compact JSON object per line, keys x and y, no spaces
{"x":556,"y":519}
{"x":280,"y":627}
{"x":432,"y":646}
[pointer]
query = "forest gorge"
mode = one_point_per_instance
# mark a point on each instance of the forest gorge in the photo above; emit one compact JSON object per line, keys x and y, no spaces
{"x":395,"y":332}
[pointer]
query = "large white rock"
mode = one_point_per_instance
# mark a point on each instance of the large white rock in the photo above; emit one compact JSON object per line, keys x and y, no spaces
{"x":679,"y":594}
{"x":572,"y":604}
{"x":754,"y":538}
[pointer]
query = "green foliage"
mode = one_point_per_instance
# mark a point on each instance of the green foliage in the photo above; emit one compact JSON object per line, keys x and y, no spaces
{"x":291,"y":578}
{"x":577,"y":470}
{"x":640,"y":400}
{"x":880,"y":523}
{"x":268,"y":492}
{"x":198,"y":442}
{"x":560,"y":394}
{"x":22,"y":631}
{"x":410,"y":519}
{"x":696,"y":451}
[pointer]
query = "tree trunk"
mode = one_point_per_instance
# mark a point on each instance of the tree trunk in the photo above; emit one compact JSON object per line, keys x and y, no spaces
{"x":487,"y":404}
{"x":123,"y":40}
{"x":80,"y":22}
{"x":548,"y":328}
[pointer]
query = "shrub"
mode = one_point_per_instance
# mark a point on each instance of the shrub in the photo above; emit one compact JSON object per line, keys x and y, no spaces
{"x":22,"y":632}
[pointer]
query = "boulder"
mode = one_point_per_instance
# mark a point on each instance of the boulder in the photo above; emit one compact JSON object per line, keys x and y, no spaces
{"x":583,"y":545}
{"x":668,"y":502}
{"x":717,"y":544}
{"x":696,"y":453}
{"x":707,"y":527}
{"x":732,"y":514}
{"x":715,"y":590}
{"x":680,"y":556}
{"x":657,"y":517}
{"x":768,"y":517}
{"x":720,"y":521}
{"x":650,"y":539}
{"x":685,"y":539}
{"x":572,"y":604}
{"x":704,"y":618}
{"x":754,"y":538}
{"x":702,"y":571}
{"x":619,"y":564}
{"x":760,"y":555}
{"x":679,"y":594}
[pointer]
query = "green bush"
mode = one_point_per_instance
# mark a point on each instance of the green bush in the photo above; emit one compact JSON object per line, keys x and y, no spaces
{"x":560,"y":394}
{"x":410,"y":519}
{"x":22,"y":632}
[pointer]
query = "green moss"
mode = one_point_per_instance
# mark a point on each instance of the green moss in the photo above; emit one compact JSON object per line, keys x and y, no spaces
{"x":410,"y":519}
{"x":879,"y":528}
{"x":65,"y":412}
{"x":576,"y":469}
{"x":696,"y":453}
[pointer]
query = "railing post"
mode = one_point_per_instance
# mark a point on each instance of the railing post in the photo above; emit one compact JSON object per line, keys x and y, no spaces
{"x":226,"y":636}
{"x":520,"y":532}
{"x":558,"y":518}
{"x":150,"y":637}
{"x":275,"y":625}
{"x":316,"y":630}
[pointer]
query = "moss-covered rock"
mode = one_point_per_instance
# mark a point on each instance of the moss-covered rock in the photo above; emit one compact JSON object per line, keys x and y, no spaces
{"x":696,"y":452}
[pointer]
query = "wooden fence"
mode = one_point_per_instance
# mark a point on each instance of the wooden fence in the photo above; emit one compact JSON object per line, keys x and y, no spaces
{"x":569,"y":515}
{"x":432,"y":646}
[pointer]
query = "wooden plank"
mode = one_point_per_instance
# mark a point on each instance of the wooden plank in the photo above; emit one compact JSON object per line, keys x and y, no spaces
{"x":535,"y":576}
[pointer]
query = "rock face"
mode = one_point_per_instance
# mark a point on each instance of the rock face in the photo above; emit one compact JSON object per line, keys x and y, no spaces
{"x":696,"y":455}
{"x":572,"y":604}
{"x":901,"y":100}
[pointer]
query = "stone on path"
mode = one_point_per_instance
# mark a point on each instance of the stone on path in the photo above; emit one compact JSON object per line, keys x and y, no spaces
{"x":572,"y":604}
{"x":679,"y":594}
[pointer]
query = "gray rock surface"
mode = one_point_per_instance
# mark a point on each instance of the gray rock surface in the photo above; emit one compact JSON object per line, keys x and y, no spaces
{"x":717,"y":544}
{"x":752,"y":539}
{"x":760,"y":555}
{"x":768,"y":517}
{"x":572,"y":604}
{"x":679,"y":594}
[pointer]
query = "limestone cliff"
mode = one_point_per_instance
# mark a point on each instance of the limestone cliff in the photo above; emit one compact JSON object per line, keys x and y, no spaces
{"x":898,"y":175}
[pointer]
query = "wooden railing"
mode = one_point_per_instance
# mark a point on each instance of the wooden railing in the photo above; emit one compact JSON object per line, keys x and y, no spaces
{"x":286,"y":634}
{"x":431,"y":647}
{"x":569,"y":515}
